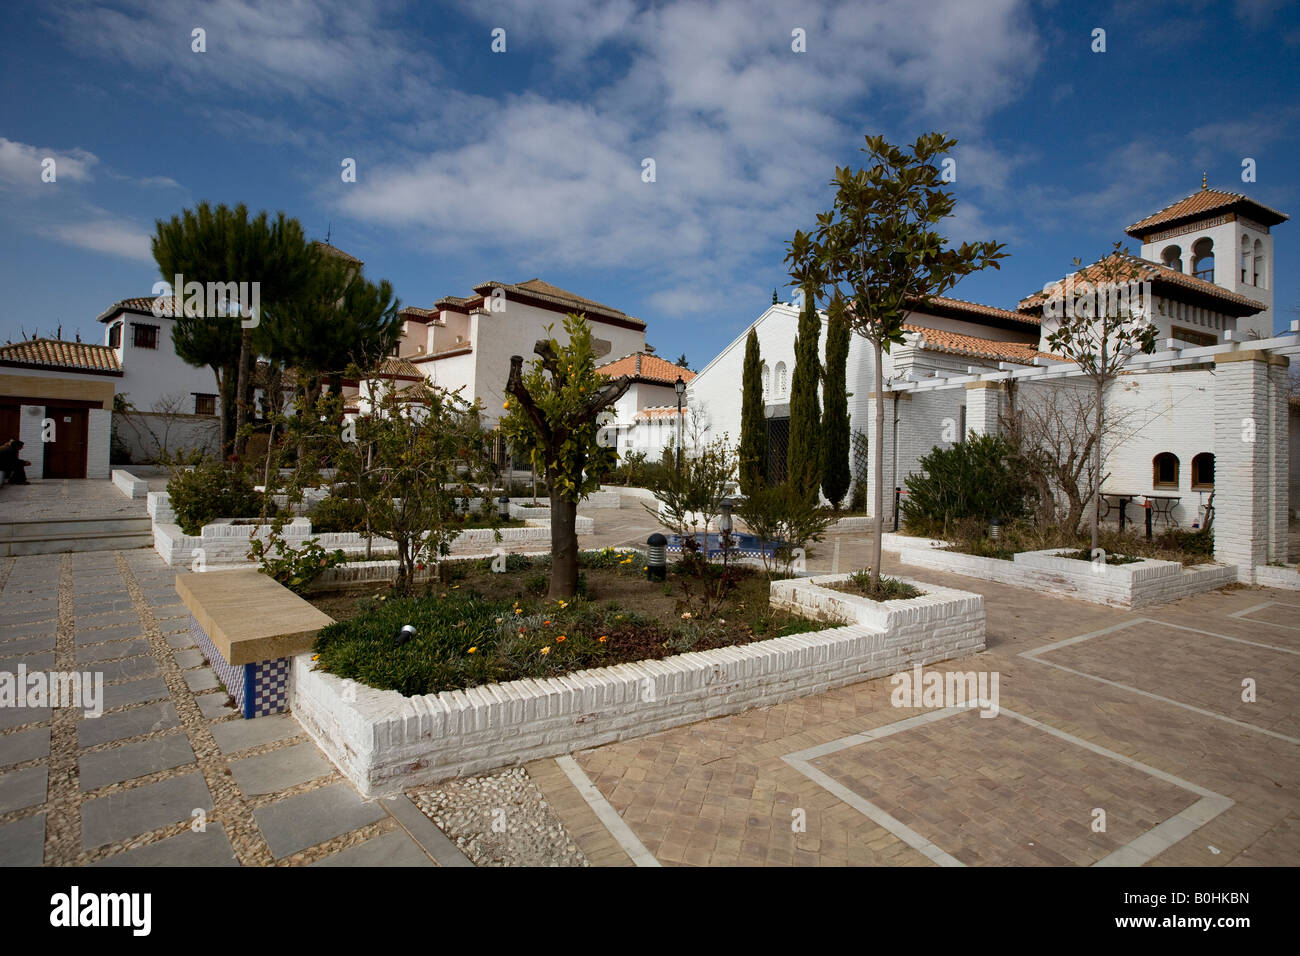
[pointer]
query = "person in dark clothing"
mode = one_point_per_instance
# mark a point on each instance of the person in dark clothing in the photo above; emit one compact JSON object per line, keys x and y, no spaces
{"x":14,"y":468}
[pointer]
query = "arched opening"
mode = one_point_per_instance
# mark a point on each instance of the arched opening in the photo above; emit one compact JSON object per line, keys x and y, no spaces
{"x":780,"y":383}
{"x":1261,"y":280}
{"x":767,"y":382}
{"x":1173,"y":258}
{"x":1203,"y":472}
{"x":1246,"y":256}
{"x":1164,"y":470}
{"x":1203,"y":259}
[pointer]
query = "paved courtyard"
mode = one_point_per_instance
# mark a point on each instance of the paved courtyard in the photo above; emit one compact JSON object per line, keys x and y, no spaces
{"x":1138,"y":715}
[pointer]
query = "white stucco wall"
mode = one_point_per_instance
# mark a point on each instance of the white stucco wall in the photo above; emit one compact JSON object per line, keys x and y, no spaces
{"x":151,"y":376}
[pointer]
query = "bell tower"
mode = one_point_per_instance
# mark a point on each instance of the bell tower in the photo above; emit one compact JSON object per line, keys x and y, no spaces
{"x":1221,"y":237}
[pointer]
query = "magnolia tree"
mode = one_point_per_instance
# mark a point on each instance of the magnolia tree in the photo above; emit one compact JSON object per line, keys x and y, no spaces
{"x":553,"y":413}
{"x":877,"y":254}
{"x":1100,"y":320}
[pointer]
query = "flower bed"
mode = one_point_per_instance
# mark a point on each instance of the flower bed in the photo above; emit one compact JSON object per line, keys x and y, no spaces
{"x":1140,"y":583}
{"x":385,"y":741}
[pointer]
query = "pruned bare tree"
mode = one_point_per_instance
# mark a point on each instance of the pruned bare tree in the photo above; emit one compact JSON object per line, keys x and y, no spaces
{"x":1054,"y":429}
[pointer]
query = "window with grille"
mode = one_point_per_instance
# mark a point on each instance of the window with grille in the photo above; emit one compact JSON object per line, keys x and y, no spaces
{"x":115,"y":335}
{"x":205,"y":404}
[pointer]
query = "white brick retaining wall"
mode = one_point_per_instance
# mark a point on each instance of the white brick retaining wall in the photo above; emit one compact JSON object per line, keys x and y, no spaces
{"x":129,"y":484}
{"x":1140,"y":584}
{"x":1287,"y":578}
{"x":384,"y":742}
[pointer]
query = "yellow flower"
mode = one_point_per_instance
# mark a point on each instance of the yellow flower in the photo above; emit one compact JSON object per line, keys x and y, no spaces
{"x":473,"y":649}
{"x":519,"y":610}
{"x":315,"y":657}
{"x":546,"y":649}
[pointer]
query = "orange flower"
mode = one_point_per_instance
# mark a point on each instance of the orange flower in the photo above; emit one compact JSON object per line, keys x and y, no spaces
{"x":559,"y":639}
{"x":546,"y":622}
{"x":602,"y":638}
{"x":473,"y":649}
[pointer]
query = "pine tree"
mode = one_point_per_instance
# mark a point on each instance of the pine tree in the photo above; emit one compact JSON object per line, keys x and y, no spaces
{"x":753,"y":424}
{"x":835,"y":403}
{"x":803,"y":460}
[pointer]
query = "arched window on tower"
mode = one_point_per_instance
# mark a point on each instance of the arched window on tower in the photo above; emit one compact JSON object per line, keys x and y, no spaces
{"x":1173,"y":258}
{"x":1203,"y":259}
{"x":1246,"y":256}
{"x":1261,"y":280}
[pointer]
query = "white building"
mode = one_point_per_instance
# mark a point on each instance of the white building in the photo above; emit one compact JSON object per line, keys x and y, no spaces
{"x":644,"y":419}
{"x":466,"y":343}
{"x":1167,"y":449}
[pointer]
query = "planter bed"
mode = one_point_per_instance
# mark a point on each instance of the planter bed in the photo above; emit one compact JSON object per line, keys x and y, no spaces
{"x":1271,"y":576}
{"x":1142,"y":583}
{"x":384,"y":741}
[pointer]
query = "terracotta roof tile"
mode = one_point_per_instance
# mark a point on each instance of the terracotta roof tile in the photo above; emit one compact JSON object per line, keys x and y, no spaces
{"x":336,"y":252}
{"x":945,"y":304}
{"x":645,"y":366}
{"x":954,"y":343}
{"x":1143,"y":270}
{"x":56,"y":353}
{"x":551,"y":293}
{"x":1203,"y":203}
{"x":659,"y":411}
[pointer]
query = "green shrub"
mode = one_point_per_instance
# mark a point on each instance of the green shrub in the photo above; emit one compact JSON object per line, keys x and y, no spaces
{"x":784,"y":515}
{"x":975,"y":478}
{"x":890,"y":589}
{"x":213,"y":490}
{"x":295,"y":568}
{"x":336,"y":514}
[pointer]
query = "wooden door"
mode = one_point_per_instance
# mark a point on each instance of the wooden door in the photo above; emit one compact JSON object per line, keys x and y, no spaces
{"x":8,"y":422}
{"x":65,"y":456}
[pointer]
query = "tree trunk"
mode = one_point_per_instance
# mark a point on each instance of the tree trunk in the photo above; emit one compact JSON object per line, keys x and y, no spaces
{"x":878,"y":470}
{"x":564,"y":545}
{"x":1096,"y":464}
{"x":229,"y":400}
{"x":242,"y":389}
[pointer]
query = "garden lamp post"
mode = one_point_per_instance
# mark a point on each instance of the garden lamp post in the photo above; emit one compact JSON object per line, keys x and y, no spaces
{"x":503,"y":508}
{"x":724,"y":529}
{"x":680,"y":387}
{"x":656,"y":558}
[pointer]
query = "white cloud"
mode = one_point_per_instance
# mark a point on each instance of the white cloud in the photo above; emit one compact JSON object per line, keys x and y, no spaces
{"x":744,"y":132}
{"x":21,"y":164}
{"x":106,"y":236}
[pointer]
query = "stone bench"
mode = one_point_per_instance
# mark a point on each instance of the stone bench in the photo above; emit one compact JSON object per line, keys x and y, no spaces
{"x":249,"y":627}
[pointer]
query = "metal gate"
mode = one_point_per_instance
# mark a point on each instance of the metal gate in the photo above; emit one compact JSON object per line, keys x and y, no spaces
{"x":778,"y":447}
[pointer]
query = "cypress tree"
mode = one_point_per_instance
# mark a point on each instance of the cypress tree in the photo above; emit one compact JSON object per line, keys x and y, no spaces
{"x":753,"y":424}
{"x":803,"y":461}
{"x":835,"y":402}
{"x":774,"y":297}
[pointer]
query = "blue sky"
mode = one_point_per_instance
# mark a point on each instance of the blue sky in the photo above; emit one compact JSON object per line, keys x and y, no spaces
{"x":474,"y":165}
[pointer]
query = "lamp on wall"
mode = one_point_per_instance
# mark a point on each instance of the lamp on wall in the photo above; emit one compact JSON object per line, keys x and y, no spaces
{"x":680,"y":387}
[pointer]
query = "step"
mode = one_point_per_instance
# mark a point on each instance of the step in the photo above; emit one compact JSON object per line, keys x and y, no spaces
{"x":45,"y":544}
{"x":75,"y":527}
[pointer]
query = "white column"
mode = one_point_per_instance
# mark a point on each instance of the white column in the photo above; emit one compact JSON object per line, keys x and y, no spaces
{"x":1250,"y":463}
{"x":984,"y":407}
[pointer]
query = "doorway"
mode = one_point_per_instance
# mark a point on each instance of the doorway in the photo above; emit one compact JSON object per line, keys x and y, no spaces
{"x":65,"y":455}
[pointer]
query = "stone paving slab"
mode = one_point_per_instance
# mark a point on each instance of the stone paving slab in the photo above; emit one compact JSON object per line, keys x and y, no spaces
{"x":211,"y":847}
{"x":279,"y":769}
{"x":134,"y":692}
{"x":28,"y":645}
{"x":233,"y":736}
{"x":137,"y":759}
{"x":17,"y":716}
{"x":202,"y":679}
{"x":33,"y":662}
{"x":121,"y":816}
{"x":311,"y":818}
{"x":214,"y":706}
{"x":90,"y":653}
{"x":127,"y":669}
{"x":22,"y":634}
{"x":395,"y":848}
{"x":180,"y":638}
{"x":191,"y":657}
{"x":20,"y":789}
{"x":24,"y":745}
{"x":129,"y":723}
{"x":22,"y":843}
{"x":120,"y":632}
